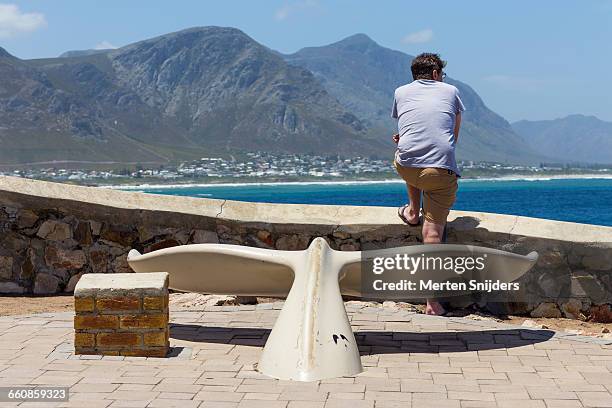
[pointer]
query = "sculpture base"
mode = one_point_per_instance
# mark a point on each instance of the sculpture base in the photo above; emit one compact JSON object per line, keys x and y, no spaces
{"x":312,"y":338}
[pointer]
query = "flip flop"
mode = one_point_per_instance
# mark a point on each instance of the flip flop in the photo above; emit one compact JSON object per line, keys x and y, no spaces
{"x":400,"y":213}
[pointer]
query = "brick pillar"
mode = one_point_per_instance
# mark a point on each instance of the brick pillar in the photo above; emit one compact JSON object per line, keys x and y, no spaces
{"x":122,"y":314}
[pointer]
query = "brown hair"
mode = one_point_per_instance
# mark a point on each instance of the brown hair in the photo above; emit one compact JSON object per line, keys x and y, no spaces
{"x":423,"y":65}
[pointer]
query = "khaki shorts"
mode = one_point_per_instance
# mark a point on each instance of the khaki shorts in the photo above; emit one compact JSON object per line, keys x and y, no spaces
{"x":439,"y":188}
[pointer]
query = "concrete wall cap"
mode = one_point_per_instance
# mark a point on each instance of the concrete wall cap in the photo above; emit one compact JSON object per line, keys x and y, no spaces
{"x":121,"y":284}
{"x":356,"y":218}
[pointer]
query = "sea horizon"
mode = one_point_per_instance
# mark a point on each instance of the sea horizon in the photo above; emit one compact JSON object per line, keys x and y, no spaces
{"x":351,"y":182}
{"x":581,"y":198}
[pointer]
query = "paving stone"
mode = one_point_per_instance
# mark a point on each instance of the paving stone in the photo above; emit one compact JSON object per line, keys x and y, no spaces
{"x":423,"y":364}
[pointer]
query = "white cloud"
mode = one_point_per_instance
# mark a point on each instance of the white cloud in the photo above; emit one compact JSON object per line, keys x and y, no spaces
{"x":104,"y":45}
{"x":13,"y":21}
{"x":419,"y":37}
{"x":289,"y":9}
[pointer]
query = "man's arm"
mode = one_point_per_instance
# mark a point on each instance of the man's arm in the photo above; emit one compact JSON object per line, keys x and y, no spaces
{"x":457,"y":126}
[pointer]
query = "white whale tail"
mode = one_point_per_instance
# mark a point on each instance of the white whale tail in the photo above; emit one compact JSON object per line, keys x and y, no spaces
{"x":312,"y":338}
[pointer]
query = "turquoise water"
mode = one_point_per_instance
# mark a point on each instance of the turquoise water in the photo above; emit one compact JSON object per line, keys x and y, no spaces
{"x":578,"y":200}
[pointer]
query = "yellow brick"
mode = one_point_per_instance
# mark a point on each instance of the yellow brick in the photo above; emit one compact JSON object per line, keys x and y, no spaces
{"x":83,"y":304}
{"x":151,"y":321}
{"x":118,"y":304}
{"x":153,"y":352}
{"x":117,"y":339}
{"x":84,"y":339}
{"x":155,"y":302}
{"x":157,"y":338}
{"x":95,"y":322}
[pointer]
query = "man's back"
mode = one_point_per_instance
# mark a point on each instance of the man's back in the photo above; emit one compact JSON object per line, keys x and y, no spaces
{"x":426,"y":111}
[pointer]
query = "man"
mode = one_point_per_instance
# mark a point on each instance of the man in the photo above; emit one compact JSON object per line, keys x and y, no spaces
{"x":429,"y":117}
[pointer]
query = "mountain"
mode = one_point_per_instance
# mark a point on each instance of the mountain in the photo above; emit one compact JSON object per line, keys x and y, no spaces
{"x":43,"y":118}
{"x":363,"y":75}
{"x":574,"y":138}
{"x":230,"y":92}
{"x":200,"y":91}
{"x":215,"y":91}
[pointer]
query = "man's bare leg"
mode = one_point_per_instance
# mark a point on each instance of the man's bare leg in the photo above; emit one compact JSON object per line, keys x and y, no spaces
{"x":432,"y":234}
{"x":412,"y":212}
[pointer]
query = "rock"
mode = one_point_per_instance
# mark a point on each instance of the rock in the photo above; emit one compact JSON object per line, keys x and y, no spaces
{"x":265,"y":237}
{"x":590,"y":286}
{"x":597,"y":257}
{"x":62,"y":274}
{"x":204,"y":237}
{"x":64,"y":259}
{"x":120,"y":265}
{"x":182,"y":236}
{"x":72,"y":282}
{"x":341,"y":234}
{"x":600,"y":314}
{"x":27,"y":219}
{"x":597,"y":262}
{"x":253,"y":241}
{"x":576,"y":290}
{"x":292,"y":242}
{"x":13,"y":242}
{"x":27,"y":268}
{"x":546,"y":310}
{"x":6,"y":267}
{"x":605,"y":330}
{"x":11,"y":287}
{"x":532,"y":324}
{"x":246,"y":300}
{"x":99,"y":258}
{"x":54,"y":231}
{"x":389,"y":304}
{"x":553,"y":284}
{"x":82,"y":233}
{"x":167,"y":243}
{"x":96,"y":227}
{"x":349,"y":247}
{"x":474,"y":316}
{"x":45,"y":284}
{"x":122,"y":235}
{"x":146,"y":232}
{"x":571,"y":309}
{"x":551,"y":258}
{"x":575,"y":331}
{"x":223,"y":230}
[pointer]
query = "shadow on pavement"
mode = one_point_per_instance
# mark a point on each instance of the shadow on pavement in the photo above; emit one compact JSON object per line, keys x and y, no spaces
{"x":378,"y":342}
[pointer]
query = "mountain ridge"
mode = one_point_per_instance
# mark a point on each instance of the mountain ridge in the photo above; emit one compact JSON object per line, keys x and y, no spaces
{"x":573,"y":138}
{"x":213,"y":90}
{"x":363,"y":76}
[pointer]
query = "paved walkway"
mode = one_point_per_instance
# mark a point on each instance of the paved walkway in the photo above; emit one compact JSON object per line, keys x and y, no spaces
{"x":411,"y":360}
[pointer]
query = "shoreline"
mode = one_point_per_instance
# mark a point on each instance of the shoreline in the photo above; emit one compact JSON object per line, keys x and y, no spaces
{"x":517,"y":177}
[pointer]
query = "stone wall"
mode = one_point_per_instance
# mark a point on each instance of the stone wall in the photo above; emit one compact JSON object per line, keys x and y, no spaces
{"x":50,"y":234}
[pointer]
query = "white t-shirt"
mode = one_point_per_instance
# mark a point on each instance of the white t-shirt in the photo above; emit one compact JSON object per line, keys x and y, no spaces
{"x":426,"y":111}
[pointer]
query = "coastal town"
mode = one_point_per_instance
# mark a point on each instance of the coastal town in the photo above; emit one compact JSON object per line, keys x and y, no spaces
{"x":260,"y":165}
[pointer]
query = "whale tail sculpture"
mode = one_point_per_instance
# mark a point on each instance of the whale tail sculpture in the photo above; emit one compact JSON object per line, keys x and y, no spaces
{"x":312,"y":338}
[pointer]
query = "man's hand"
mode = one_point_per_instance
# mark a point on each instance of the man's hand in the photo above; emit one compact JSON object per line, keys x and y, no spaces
{"x":396,"y":138}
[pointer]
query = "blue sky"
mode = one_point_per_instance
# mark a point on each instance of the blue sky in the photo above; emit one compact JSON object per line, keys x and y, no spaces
{"x":527,"y":59}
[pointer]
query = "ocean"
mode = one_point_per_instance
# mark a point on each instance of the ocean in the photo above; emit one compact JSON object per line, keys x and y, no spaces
{"x":583,"y":200}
